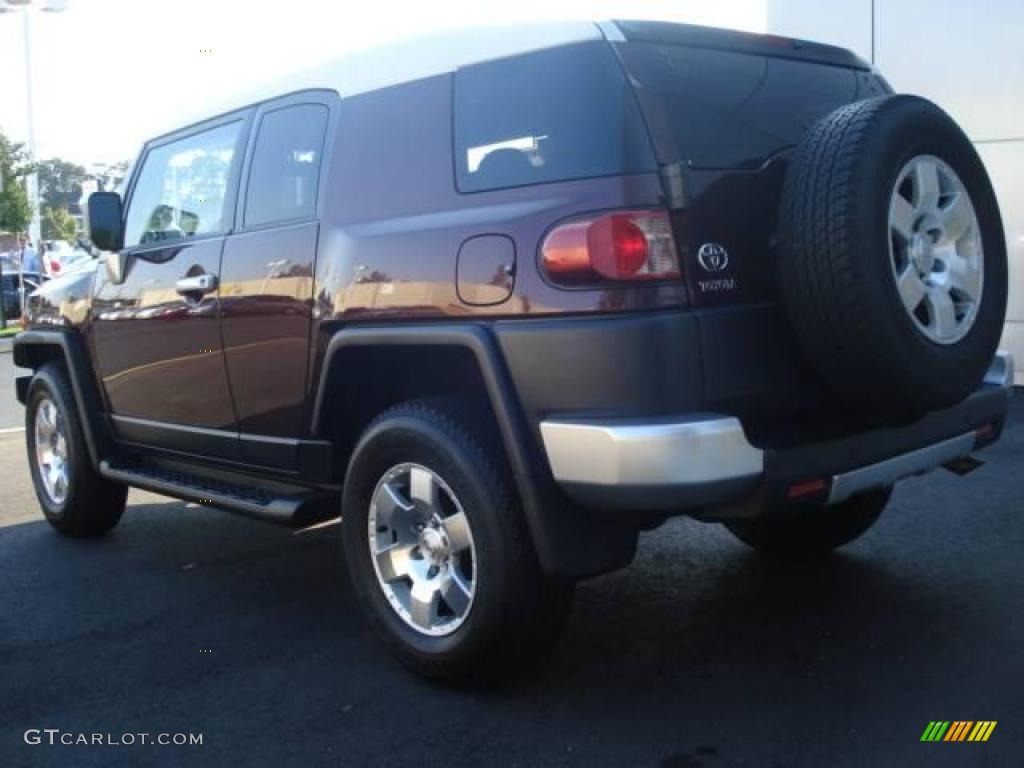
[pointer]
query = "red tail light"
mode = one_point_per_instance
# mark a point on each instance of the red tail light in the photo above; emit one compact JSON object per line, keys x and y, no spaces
{"x":54,"y":267}
{"x":807,"y":488}
{"x":632,"y":245}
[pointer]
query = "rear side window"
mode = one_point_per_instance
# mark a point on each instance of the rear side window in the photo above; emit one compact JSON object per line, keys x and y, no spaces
{"x":286,"y":165}
{"x":182,"y":187}
{"x":553,"y":115}
{"x":733,"y":110}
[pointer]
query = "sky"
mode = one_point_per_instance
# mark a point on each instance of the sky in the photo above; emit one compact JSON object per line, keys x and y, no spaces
{"x":108,"y":74}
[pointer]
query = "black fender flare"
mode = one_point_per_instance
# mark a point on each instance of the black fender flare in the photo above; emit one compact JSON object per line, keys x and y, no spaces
{"x":36,"y":347}
{"x":474,"y":338}
{"x":570,"y":543}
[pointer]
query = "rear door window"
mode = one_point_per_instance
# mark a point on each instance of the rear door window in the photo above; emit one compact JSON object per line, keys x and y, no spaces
{"x":552,"y":115}
{"x":285,"y":168}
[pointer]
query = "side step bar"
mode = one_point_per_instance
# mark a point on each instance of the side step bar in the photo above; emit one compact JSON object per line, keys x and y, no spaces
{"x":297,"y":509}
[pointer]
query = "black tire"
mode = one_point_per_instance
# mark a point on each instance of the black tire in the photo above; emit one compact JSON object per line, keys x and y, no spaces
{"x":815,"y":532}
{"x":516,"y":612}
{"x":92,"y":504}
{"x":835,"y":267}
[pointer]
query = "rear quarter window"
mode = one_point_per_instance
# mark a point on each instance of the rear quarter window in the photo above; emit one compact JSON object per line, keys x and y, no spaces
{"x":733,"y":110}
{"x":553,"y":115}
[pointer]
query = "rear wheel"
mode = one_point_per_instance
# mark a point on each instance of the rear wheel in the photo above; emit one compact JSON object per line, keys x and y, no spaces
{"x":438,"y":550}
{"x":815,"y":532}
{"x":75,"y":499}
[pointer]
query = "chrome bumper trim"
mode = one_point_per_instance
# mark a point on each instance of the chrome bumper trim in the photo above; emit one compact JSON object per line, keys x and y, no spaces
{"x":704,"y":449}
{"x":705,"y":458}
{"x":898,"y":467}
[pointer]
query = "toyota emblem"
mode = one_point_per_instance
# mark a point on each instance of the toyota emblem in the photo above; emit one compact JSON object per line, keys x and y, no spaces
{"x":713,"y":257}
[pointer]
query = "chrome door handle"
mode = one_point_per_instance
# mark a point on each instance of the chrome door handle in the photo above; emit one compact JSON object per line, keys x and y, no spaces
{"x":201,"y":284}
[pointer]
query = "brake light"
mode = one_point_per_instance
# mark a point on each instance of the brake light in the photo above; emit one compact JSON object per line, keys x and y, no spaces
{"x":54,"y":266}
{"x":624,"y":246}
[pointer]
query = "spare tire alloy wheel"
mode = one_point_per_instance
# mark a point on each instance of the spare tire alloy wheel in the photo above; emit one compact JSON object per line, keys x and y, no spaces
{"x":422,"y":549}
{"x":935,"y":249}
{"x":892,"y":257}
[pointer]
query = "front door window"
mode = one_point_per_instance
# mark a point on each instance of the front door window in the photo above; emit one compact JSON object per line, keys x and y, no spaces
{"x":182,"y":188}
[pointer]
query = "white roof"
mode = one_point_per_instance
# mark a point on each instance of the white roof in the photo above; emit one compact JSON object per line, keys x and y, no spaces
{"x":415,"y":58}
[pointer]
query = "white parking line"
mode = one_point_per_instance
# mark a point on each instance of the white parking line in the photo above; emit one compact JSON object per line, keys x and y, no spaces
{"x":11,"y":431}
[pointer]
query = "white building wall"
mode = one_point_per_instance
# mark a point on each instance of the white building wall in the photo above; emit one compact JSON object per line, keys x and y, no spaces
{"x":965,"y":55}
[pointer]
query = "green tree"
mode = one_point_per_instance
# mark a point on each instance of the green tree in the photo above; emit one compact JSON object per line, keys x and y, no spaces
{"x":57,"y":224}
{"x":60,"y":183}
{"x":15,"y":212}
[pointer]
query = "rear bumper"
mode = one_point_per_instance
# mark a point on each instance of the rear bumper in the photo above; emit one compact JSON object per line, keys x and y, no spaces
{"x":705,"y":460}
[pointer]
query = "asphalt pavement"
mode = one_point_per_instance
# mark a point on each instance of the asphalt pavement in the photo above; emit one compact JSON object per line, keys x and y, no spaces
{"x":702,"y":654}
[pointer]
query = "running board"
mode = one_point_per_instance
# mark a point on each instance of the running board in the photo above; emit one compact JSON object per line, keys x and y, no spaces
{"x":238,"y":493}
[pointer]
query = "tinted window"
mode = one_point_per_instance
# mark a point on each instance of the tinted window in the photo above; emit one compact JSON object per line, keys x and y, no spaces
{"x":286,"y":165}
{"x":182,"y":188}
{"x":728,"y":110}
{"x":564,"y":113}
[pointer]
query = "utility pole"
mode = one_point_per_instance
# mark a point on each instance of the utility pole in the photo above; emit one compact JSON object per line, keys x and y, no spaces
{"x":3,"y":300}
{"x":32,"y":181}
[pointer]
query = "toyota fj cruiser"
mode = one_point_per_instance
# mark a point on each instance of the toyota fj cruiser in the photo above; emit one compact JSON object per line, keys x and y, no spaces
{"x":507,"y":299}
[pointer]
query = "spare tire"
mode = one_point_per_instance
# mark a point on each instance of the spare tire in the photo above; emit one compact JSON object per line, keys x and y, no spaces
{"x":892,"y":256}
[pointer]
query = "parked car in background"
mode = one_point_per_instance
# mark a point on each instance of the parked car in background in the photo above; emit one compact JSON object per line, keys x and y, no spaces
{"x":59,"y":257}
{"x":9,"y":288}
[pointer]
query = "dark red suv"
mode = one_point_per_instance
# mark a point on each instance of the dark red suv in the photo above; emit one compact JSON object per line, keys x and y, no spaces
{"x":504,"y":300}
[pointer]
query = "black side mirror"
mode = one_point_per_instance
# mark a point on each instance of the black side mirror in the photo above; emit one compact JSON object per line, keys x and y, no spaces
{"x":106,"y":222}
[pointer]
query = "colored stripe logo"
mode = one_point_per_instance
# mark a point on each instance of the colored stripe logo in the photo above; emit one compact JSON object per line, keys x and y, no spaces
{"x":958,"y":730}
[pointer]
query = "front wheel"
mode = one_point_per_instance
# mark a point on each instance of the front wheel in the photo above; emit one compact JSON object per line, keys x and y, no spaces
{"x":815,"y":532}
{"x":75,"y":498}
{"x":438,"y":550}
